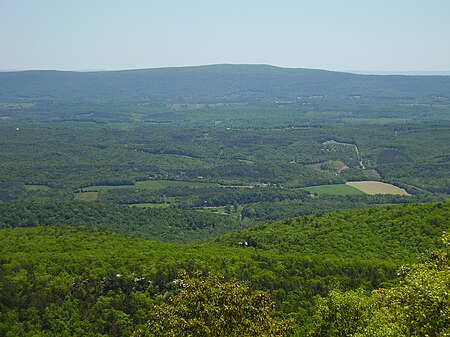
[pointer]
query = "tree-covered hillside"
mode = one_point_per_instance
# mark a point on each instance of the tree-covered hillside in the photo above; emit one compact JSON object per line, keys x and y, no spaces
{"x":418,"y":306}
{"x":215,"y":83}
{"x":72,"y":281}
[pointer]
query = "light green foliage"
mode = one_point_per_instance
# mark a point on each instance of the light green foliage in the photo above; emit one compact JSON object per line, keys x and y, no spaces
{"x":342,"y":314}
{"x":337,"y":189}
{"x":381,"y":233}
{"x":418,"y":307}
{"x":211,"y":306}
{"x":72,"y":281}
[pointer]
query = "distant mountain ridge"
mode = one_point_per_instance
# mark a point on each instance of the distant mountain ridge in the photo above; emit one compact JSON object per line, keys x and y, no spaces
{"x":401,"y":73}
{"x":214,"y":83}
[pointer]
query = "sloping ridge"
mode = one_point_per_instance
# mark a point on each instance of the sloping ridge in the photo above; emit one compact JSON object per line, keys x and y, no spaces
{"x":214,"y":83}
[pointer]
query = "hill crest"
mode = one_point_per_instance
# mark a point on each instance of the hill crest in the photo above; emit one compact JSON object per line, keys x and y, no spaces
{"x":214,"y":83}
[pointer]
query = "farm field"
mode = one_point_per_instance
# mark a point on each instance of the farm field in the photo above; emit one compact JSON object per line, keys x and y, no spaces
{"x":377,"y":187}
{"x":91,"y":193}
{"x":152,"y":185}
{"x":337,"y":189}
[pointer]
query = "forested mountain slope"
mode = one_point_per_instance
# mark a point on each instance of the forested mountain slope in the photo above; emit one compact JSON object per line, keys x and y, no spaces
{"x":214,"y":83}
{"x":74,"y":281}
{"x":382,"y":233}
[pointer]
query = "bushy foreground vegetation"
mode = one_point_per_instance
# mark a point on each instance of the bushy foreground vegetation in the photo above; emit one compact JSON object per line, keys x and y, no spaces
{"x":211,"y":306}
{"x":418,"y":306}
{"x":71,"y":281}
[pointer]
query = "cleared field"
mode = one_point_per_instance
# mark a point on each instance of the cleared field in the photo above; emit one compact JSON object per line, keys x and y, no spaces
{"x":86,"y":196}
{"x":337,"y":189}
{"x":160,"y":184}
{"x":91,"y":193}
{"x":37,"y":188}
{"x":153,"y":185}
{"x":377,"y":187}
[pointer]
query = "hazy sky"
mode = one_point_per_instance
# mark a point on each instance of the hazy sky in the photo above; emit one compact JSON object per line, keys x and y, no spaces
{"x":388,"y":35}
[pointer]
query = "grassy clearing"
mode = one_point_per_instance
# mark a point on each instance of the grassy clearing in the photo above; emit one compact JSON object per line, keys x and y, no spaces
{"x":161,"y":184}
{"x":91,"y":193}
{"x":153,"y":185}
{"x":377,"y":187}
{"x":37,"y":188}
{"x":337,"y":189}
{"x":86,"y":196}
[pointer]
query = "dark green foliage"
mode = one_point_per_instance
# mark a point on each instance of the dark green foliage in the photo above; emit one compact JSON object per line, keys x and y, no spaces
{"x":166,"y":224}
{"x":210,"y":83}
{"x":285,"y":208}
{"x":390,"y":156}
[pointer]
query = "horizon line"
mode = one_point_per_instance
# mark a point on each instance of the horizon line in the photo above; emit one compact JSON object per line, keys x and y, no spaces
{"x":351,"y":71}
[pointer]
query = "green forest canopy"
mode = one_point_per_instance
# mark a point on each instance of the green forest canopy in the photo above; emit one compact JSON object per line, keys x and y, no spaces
{"x":84,"y":281}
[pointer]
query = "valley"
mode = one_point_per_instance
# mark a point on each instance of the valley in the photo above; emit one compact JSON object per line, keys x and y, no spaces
{"x":297,"y":182}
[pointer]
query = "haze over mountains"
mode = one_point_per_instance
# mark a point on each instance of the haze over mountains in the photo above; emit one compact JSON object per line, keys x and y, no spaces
{"x":215,"y":83}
